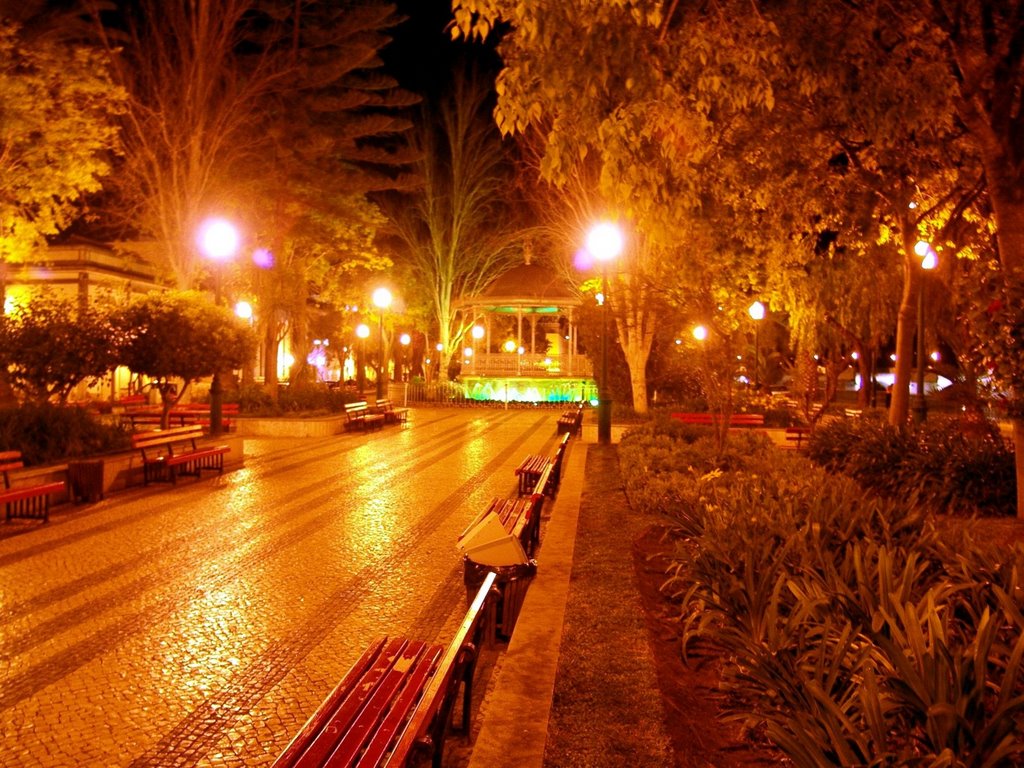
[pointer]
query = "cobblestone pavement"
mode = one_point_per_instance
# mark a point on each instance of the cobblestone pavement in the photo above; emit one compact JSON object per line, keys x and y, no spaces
{"x":200,"y":624}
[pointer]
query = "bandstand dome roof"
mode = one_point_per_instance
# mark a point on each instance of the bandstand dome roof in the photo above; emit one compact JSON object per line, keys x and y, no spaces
{"x":526,"y":288}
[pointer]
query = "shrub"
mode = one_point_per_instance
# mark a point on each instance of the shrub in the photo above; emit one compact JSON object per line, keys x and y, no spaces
{"x":953,"y":466}
{"x":851,"y":633}
{"x":47,"y":434}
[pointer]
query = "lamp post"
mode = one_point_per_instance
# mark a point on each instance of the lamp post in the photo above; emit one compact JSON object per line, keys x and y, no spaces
{"x":928,"y":262}
{"x":218,"y":242}
{"x":604,"y":242}
{"x":382,"y":300}
{"x":757,"y":315}
{"x":405,"y":340}
{"x":362,"y":333}
{"x":477,"y":333}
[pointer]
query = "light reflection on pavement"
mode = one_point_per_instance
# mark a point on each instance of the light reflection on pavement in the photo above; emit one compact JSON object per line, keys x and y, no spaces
{"x":200,"y":624}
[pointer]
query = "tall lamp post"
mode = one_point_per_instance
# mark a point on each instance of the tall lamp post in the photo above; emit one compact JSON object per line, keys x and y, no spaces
{"x":362,"y":333}
{"x":218,"y":242}
{"x":382,"y":300}
{"x":929,"y":261}
{"x":405,"y":340}
{"x":757,"y":315}
{"x":604,"y":242}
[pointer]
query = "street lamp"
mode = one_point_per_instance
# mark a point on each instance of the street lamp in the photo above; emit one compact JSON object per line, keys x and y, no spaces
{"x":405,"y":340}
{"x":362,"y":333}
{"x":218,"y":241}
{"x":757,"y":315}
{"x":604,"y":242}
{"x":477,"y":333}
{"x":382,"y":300}
{"x":929,"y":260}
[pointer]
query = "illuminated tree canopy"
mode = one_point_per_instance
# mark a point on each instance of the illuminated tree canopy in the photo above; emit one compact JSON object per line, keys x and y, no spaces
{"x":57,"y":136}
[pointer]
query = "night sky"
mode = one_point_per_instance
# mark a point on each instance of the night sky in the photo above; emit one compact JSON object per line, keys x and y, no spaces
{"x":422,"y":53}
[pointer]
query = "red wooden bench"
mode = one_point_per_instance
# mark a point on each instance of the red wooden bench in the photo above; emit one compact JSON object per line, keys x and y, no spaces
{"x":709,"y":419}
{"x":137,"y":400}
{"x":359,"y":416}
{"x":199,"y":413}
{"x":391,"y":414}
{"x":180,"y":416}
{"x":168,"y":453}
{"x":32,"y":501}
{"x":396,"y":701}
{"x":532,"y":467}
{"x":797,"y":437}
{"x":571,"y":421}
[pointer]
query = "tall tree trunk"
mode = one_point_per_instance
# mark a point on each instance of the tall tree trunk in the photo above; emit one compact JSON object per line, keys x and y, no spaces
{"x":635,"y":327}
{"x":1008,"y":211}
{"x":906,"y":320}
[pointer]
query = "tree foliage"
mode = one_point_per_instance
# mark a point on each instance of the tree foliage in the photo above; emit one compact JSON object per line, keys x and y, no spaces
{"x":52,"y":343}
{"x":180,"y":335}
{"x":57,"y":135}
{"x":458,"y":229}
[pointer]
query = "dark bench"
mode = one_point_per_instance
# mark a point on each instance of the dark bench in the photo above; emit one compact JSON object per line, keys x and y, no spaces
{"x":391,"y":414}
{"x":530,"y":470}
{"x":199,"y":413}
{"x":359,"y":416}
{"x":710,"y":419}
{"x":168,"y":453}
{"x":571,"y":421}
{"x":396,"y":701}
{"x":138,"y":400}
{"x":32,"y":501}
{"x":180,"y":416}
{"x":797,"y":437}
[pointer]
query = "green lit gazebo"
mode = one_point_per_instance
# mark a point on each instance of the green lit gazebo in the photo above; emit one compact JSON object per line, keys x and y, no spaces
{"x":528,"y":351}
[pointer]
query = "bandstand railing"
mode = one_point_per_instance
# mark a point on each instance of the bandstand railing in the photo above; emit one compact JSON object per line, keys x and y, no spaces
{"x":526,"y":364}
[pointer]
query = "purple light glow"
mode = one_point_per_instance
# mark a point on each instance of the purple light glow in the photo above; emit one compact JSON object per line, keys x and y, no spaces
{"x":263,"y":258}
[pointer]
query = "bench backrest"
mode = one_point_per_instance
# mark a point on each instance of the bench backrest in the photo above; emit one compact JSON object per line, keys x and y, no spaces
{"x":461,"y":650}
{"x":736,"y":419}
{"x":166,"y":437}
{"x":384,"y":405}
{"x":9,"y":461}
{"x":357,"y":714}
{"x":353,"y":409}
{"x":205,"y":407}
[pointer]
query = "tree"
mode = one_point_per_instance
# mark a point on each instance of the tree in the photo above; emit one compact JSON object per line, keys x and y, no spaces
{"x":650,"y":97}
{"x":335,"y":130}
{"x":51,"y":344}
{"x":57,"y":136}
{"x":180,"y":335}
{"x":457,"y":229}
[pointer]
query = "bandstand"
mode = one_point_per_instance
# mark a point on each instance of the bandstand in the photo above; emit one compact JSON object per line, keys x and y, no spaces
{"x":528,"y":350}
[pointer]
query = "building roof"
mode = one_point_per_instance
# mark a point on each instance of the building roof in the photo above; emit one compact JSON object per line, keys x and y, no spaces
{"x":526,"y":288}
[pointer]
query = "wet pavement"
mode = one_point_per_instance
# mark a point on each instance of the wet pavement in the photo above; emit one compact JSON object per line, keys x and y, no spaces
{"x":201,"y":624}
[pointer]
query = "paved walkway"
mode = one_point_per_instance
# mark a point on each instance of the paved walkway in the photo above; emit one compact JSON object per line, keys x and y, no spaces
{"x":201,"y":624}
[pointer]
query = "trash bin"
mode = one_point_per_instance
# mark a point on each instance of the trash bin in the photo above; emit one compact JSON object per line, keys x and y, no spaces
{"x":511,"y":582}
{"x":85,"y":481}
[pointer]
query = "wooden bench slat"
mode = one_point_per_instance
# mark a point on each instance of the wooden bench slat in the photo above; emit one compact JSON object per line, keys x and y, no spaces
{"x":438,"y":685}
{"x":398,"y":694}
{"x":31,"y":501}
{"x":335,"y":727}
{"x":711,"y":419}
{"x":324,"y":712}
{"x":179,"y":453}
